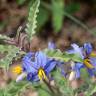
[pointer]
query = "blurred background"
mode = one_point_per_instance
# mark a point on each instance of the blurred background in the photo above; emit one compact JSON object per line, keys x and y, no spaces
{"x":65,"y":21}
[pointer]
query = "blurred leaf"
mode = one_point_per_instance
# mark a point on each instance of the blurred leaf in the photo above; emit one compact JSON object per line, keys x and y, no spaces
{"x":20,"y":2}
{"x":58,"y":55}
{"x":11,"y":52}
{"x":57,"y":12}
{"x":42,"y":17}
{"x":93,"y":91}
{"x":31,"y":25}
{"x":42,"y":92}
{"x":66,"y":14}
{"x":2,"y":25}
{"x":72,"y":8}
{"x":1,"y":92}
{"x":3,"y":37}
{"x":14,"y":89}
{"x":62,"y":83}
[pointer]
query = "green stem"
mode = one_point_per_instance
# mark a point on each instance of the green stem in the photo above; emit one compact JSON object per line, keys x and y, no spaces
{"x":49,"y":87}
{"x":54,"y":90}
{"x":77,"y":21}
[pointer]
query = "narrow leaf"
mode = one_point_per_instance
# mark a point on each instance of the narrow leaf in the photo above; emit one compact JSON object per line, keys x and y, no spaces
{"x":64,"y":57}
{"x":57,"y":11}
{"x":31,"y":25}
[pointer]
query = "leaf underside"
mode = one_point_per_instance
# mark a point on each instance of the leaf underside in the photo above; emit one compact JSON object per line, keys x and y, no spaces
{"x":31,"y":25}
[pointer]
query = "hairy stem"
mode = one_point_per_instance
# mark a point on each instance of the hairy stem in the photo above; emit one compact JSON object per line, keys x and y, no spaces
{"x":54,"y":90}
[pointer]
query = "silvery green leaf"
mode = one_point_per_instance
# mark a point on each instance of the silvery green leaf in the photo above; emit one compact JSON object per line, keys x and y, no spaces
{"x":31,"y":25}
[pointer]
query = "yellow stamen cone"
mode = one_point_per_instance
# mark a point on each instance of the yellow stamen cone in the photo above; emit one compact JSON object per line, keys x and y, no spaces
{"x":41,"y":74}
{"x":88,"y":64}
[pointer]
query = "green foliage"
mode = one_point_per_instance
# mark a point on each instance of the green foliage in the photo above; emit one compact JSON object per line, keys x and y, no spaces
{"x":58,"y":55}
{"x":93,"y":90}
{"x":56,"y":9}
{"x":61,"y":86}
{"x":43,"y":90}
{"x":2,"y":25}
{"x":14,"y":89}
{"x":3,"y":37}
{"x":31,"y":25}
{"x":72,"y":8}
{"x":57,"y":13}
{"x":20,"y":2}
{"x":10,"y":52}
{"x":62,"y":83}
{"x":42,"y":18}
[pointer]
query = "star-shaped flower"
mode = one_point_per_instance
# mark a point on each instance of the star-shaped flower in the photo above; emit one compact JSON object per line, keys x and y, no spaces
{"x":86,"y":53}
{"x":37,"y":66}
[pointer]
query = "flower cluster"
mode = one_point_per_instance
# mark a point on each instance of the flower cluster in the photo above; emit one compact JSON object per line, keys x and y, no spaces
{"x":37,"y":66}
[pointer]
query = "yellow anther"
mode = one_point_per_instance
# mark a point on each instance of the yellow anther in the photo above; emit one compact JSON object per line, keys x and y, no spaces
{"x":17,"y":69}
{"x":88,"y":64}
{"x":93,"y":54}
{"x":41,"y":74}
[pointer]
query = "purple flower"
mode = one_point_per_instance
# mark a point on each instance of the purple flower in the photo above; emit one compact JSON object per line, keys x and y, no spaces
{"x":87,"y":48}
{"x":89,"y":62}
{"x":37,"y":65}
